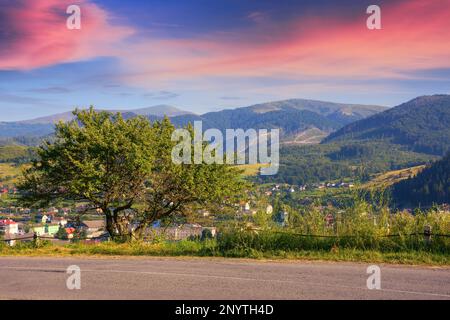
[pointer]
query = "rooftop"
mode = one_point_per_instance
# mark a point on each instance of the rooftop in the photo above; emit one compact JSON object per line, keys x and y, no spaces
{"x":7,"y":222}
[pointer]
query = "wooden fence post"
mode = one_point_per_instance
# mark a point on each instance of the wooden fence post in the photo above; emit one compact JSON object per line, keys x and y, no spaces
{"x":427,"y":234}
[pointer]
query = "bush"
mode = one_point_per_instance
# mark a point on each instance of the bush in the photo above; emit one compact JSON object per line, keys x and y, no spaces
{"x":206,"y":234}
{"x":62,"y":234}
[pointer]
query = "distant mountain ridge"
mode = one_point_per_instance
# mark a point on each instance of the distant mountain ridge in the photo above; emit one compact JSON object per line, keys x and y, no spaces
{"x":292,"y":117}
{"x":158,"y":111}
{"x":421,"y":124}
{"x":44,"y":126}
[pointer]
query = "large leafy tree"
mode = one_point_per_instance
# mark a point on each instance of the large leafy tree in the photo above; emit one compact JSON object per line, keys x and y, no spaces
{"x":124,"y":167}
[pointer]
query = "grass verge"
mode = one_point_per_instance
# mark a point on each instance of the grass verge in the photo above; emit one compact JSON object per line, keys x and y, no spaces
{"x":210,"y":249}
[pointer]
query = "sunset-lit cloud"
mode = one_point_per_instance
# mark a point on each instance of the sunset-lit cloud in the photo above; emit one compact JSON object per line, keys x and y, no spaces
{"x":229,"y":53}
{"x":414,"y":37}
{"x":34,"y":34}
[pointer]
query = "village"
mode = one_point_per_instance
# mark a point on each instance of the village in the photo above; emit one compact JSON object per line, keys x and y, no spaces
{"x":286,"y":188}
{"x":62,"y":226}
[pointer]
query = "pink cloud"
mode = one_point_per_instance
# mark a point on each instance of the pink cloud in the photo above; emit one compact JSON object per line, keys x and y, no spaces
{"x":35,"y":34}
{"x":414,"y":37}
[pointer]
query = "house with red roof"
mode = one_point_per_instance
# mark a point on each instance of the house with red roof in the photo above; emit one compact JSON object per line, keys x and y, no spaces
{"x":8,"y":227}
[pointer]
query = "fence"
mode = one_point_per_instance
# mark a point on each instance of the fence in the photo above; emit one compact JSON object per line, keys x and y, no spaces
{"x":425,"y":234}
{"x":34,"y":237}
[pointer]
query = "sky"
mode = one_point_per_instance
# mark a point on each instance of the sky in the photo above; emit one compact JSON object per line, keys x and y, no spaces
{"x":208,"y":55}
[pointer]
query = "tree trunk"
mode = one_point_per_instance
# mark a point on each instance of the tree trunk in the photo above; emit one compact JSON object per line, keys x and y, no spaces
{"x":110,"y":225}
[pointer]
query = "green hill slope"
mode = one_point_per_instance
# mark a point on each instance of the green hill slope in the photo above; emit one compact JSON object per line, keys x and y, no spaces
{"x":431,"y":185}
{"x":422,"y":125}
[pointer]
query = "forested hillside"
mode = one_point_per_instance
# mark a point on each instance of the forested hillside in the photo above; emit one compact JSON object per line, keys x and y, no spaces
{"x":290,"y":116}
{"x":357,"y":161}
{"x":432,"y":185}
{"x":421,"y":125}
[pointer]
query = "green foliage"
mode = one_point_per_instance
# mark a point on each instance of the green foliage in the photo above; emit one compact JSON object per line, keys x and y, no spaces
{"x":366,"y":223}
{"x":61,"y":234}
{"x":123,"y":167}
{"x":357,"y":229}
{"x":430,"y":186}
{"x":206,"y":234}
{"x":210,"y":248}
{"x":420,"y":124}
{"x":79,"y":235}
{"x":336,"y":161}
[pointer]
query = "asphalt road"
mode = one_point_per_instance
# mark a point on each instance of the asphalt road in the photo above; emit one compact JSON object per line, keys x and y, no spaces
{"x":204,"y":279}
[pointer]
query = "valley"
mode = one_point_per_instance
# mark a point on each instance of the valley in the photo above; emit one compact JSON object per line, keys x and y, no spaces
{"x":321,"y":142}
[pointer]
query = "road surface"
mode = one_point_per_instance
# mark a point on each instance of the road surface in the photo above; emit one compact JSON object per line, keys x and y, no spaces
{"x":204,"y":279}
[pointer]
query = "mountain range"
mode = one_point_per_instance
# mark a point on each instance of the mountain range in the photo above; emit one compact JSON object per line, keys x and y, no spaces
{"x":297,"y":119}
{"x":158,"y":111}
{"x":321,"y":141}
{"x":43,"y":126}
{"x":411,"y":134}
{"x":420,"y":125}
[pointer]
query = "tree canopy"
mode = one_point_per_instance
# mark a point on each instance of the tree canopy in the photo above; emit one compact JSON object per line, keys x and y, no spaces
{"x":124,"y":168}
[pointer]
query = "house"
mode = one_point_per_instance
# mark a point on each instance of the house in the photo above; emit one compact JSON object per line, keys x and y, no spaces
{"x":25,"y":210}
{"x":60,"y":221}
{"x":9,"y":227}
{"x":42,"y":218}
{"x":204,"y":213}
{"x":93,"y":225}
{"x":93,"y":228}
{"x":65,"y":211}
{"x":182,"y":232}
{"x":47,"y":229}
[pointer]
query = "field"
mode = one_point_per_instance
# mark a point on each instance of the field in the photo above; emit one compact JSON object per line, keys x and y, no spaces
{"x":9,"y":173}
{"x":251,"y":169}
{"x":389,"y":178}
{"x":11,"y":153}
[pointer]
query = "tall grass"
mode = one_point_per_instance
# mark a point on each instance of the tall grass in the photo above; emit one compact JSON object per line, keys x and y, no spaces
{"x":362,"y":232}
{"x":361,"y":227}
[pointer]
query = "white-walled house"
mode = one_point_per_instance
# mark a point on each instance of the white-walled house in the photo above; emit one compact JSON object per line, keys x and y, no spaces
{"x":9,"y":227}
